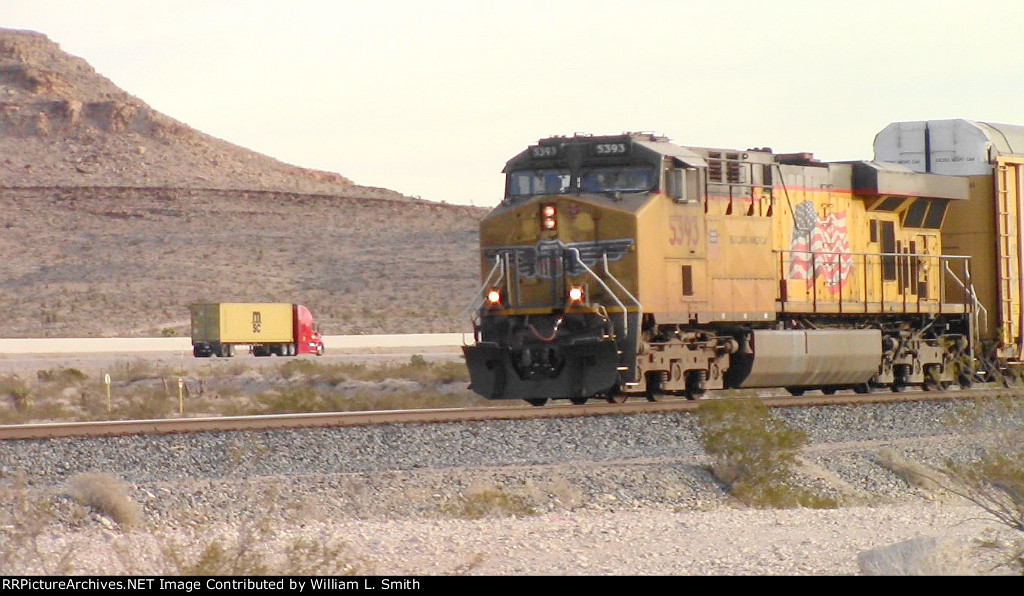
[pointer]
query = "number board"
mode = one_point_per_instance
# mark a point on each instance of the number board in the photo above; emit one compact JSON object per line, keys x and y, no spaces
{"x":609,"y":149}
{"x":543,"y":151}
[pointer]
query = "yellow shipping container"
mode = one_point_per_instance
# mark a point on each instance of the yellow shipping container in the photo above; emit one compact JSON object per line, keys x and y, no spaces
{"x":242,"y":323}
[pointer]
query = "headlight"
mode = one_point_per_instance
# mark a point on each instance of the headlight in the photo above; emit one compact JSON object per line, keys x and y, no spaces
{"x":548,"y":215}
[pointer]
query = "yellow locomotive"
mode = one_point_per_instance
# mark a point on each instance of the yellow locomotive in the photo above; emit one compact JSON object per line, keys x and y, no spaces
{"x":628,"y":265}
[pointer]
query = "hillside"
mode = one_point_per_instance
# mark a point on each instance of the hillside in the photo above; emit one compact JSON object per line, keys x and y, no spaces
{"x":116,"y":216}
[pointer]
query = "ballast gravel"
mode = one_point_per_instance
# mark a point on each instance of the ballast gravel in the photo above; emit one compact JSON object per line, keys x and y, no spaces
{"x":610,"y":495}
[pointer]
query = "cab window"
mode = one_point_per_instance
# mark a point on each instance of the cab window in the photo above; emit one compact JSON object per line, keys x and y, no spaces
{"x":538,"y":182}
{"x":620,"y":178}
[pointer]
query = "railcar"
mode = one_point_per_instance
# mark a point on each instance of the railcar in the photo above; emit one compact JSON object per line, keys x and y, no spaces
{"x":628,"y":265}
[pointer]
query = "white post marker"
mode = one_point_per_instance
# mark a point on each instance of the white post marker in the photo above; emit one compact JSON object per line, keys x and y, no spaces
{"x":106,"y":381}
{"x":181,"y":398}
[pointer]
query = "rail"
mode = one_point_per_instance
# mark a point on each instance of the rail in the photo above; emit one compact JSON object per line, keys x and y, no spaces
{"x":494,"y":411}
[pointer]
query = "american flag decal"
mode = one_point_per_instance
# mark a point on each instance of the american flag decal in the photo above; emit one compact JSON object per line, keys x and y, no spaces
{"x":822,"y":241}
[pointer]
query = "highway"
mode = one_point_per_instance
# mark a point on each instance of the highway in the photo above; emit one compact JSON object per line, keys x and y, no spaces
{"x":93,"y":354}
{"x":134,"y":345}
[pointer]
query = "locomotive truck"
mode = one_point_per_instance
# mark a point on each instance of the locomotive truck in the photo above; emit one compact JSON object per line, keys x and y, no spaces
{"x":267,"y":328}
{"x":627,"y":265}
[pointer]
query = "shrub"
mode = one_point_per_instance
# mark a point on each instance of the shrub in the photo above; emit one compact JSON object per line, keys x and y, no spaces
{"x":17,"y":391}
{"x":993,"y":479}
{"x":488,"y":502}
{"x":755,"y":453}
{"x":61,"y":376}
{"x":107,"y":495}
{"x":252,"y":552}
{"x":218,"y":557}
{"x":913,"y":473}
{"x":294,"y":368}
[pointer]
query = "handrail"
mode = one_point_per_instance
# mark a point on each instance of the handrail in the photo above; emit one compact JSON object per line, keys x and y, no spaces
{"x":622,"y":288}
{"x":478,"y":301}
{"x":836,"y":260}
{"x":874,"y":254}
{"x":625,"y":315}
{"x":969,"y":290}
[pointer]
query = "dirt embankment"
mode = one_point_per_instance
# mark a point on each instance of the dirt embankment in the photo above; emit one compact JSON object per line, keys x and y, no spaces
{"x":116,"y":217}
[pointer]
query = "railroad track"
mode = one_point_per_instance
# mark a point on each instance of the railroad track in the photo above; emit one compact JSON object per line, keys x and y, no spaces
{"x":516,"y":412}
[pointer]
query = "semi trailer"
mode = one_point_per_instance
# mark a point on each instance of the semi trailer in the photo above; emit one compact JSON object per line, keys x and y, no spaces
{"x":281,"y":329}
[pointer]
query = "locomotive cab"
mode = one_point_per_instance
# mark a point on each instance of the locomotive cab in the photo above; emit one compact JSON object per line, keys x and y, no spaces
{"x":559,"y":314}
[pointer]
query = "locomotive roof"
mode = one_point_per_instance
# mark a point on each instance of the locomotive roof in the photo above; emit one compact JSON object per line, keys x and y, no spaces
{"x":877,"y":179}
{"x":653,"y":143}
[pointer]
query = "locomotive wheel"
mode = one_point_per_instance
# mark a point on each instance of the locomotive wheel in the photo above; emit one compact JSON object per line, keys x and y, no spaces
{"x":537,"y":402}
{"x":828,"y":390}
{"x":863,"y":388}
{"x":653,"y":386}
{"x":795,"y":391}
{"x":695,"y":385}
{"x":931,"y":379}
{"x":577,"y":401}
{"x":899,"y":383}
{"x":617,"y":398}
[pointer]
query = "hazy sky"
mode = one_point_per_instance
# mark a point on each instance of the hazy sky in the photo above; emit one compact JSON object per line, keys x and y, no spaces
{"x":430,"y":98}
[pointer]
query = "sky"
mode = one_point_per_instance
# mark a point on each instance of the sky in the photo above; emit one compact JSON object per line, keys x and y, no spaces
{"x":431,"y":98}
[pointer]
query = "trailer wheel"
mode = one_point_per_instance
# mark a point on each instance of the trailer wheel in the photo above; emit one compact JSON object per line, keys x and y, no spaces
{"x":319,"y":350}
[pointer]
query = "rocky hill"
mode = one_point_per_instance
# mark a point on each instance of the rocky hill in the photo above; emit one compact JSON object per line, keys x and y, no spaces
{"x":114,"y":217}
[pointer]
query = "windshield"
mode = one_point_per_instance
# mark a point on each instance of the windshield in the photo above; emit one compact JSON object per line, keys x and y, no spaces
{"x":538,"y":182}
{"x":618,"y":178}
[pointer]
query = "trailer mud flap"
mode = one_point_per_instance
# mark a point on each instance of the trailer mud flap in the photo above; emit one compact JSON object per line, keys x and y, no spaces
{"x":590,"y":369}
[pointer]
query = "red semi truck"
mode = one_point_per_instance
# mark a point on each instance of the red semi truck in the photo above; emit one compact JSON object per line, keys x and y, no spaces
{"x":267,"y":328}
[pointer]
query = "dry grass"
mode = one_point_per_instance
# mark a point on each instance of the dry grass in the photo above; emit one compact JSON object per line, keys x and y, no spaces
{"x":913,"y":473}
{"x":487,"y":501}
{"x":142,"y":390}
{"x":257,"y":550}
{"x":106,"y":494}
{"x":920,"y":557}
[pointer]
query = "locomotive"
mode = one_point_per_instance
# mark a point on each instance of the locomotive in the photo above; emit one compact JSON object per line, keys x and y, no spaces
{"x":628,"y":265}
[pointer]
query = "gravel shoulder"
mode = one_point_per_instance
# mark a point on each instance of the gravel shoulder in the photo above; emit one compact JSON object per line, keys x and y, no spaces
{"x":922,"y":536}
{"x":622,"y":495}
